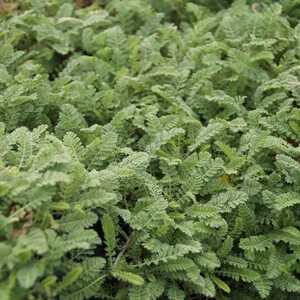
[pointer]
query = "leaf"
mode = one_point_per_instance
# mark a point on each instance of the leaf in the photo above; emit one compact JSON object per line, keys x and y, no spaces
{"x":28,"y":274}
{"x":35,"y":240}
{"x":81,"y":239}
{"x":208,"y":259}
{"x":77,"y":221}
{"x":246,"y":275}
{"x":206,"y":134}
{"x":5,"y":291}
{"x":292,"y":231}
{"x":70,"y":277}
{"x":258,"y":243}
{"x":96,"y":198}
{"x":108,"y":228}
{"x":174,"y":293}
{"x":54,"y":177}
{"x":139,"y":293}
{"x":48,"y":281}
{"x":5,"y":249}
{"x":65,"y":10}
{"x":60,"y":206}
{"x":229,"y":200}
{"x":4,"y":75}
{"x":129,"y":277}
{"x":74,"y":144}
{"x":221,"y":284}
{"x":263,"y":287}
{"x":180,"y":264}
{"x":4,"y":188}
{"x":285,"y":200}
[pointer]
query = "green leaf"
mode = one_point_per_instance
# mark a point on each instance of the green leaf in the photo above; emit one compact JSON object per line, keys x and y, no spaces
{"x":258,"y":243}
{"x":5,"y":249}
{"x":65,"y":10}
{"x":174,"y":293}
{"x":208,"y":259}
{"x":206,"y":134}
{"x":129,"y":277}
{"x":60,"y":206}
{"x":109,"y":235}
{"x":35,"y":240}
{"x":221,"y":284}
{"x":77,"y":221}
{"x":5,"y":292}
{"x":292,"y":231}
{"x":70,"y":277}
{"x":4,"y":75}
{"x":28,"y":274}
{"x":48,"y":281}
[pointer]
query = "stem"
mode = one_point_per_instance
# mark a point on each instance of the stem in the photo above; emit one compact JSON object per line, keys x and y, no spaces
{"x":124,"y":249}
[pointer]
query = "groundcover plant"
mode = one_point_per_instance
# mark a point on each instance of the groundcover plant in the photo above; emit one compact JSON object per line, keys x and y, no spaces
{"x":149,"y":149}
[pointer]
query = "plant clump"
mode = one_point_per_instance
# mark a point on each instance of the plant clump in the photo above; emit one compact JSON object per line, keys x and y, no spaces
{"x":149,"y":149}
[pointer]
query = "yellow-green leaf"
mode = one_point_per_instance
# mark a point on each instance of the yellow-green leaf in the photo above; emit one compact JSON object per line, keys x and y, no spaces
{"x":60,"y":206}
{"x":129,"y":277}
{"x":221,"y":284}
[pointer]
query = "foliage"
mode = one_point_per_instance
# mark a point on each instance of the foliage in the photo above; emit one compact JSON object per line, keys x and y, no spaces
{"x":149,"y":150}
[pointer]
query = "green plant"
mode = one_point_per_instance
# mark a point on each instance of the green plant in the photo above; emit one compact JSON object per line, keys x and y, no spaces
{"x":150,"y":150}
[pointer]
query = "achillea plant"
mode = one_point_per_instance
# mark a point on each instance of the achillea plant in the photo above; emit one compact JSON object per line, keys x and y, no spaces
{"x":150,"y":150}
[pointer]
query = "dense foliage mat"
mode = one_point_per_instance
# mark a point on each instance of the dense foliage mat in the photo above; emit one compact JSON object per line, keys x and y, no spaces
{"x":149,"y":149}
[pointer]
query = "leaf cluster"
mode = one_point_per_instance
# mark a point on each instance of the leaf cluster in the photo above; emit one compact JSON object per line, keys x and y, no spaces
{"x":150,"y":150}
